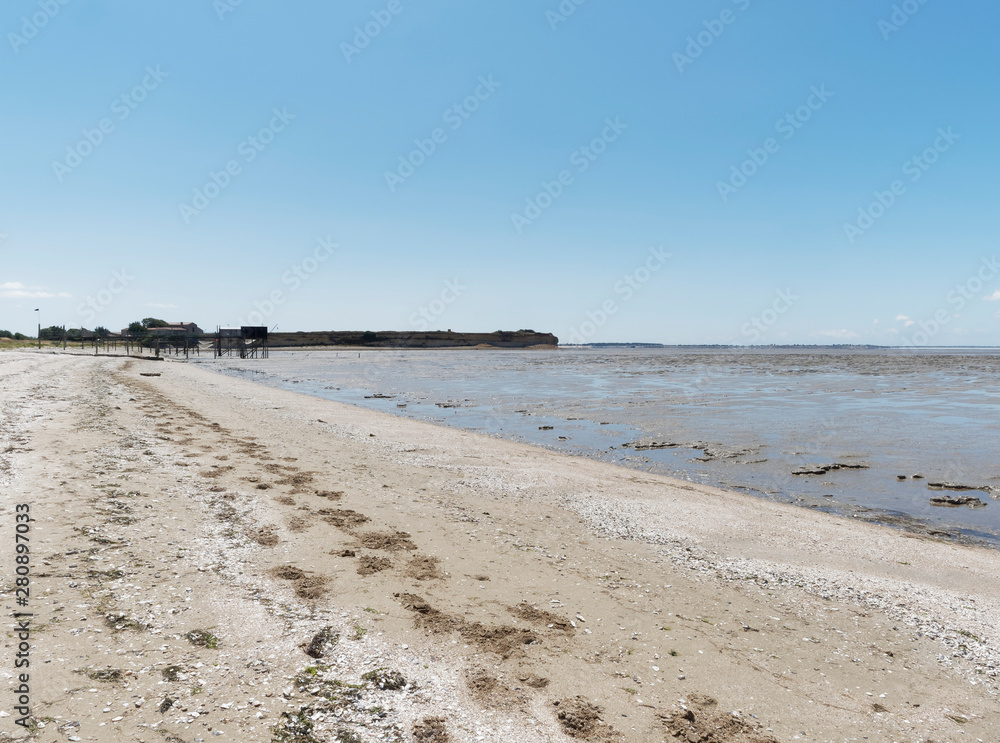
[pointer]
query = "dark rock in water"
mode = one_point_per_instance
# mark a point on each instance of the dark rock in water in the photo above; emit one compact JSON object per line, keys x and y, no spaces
{"x":810,"y":470}
{"x":917,"y":477}
{"x":957,"y":487}
{"x":822,"y":469}
{"x":714,"y":451}
{"x":652,"y":445}
{"x":900,"y":477}
{"x":954,"y":501}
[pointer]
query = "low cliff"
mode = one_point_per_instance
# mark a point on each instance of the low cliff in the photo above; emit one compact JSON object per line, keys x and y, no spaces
{"x":398,"y":339}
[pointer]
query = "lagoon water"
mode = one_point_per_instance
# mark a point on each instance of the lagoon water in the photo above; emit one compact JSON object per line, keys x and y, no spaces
{"x":738,"y":419}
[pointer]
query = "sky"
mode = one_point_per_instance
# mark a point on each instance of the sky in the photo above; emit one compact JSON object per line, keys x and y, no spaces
{"x":731,"y":171}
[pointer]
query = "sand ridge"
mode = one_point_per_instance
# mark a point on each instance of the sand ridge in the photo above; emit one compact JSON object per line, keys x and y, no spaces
{"x":277,"y":565}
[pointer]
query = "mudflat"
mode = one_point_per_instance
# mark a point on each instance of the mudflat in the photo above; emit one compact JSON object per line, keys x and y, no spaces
{"x":217,"y":560}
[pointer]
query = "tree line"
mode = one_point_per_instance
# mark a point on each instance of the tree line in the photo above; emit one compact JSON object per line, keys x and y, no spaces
{"x":138,"y":329}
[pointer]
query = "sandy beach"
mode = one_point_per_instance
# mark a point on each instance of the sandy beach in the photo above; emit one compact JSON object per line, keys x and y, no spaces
{"x":217,"y":560}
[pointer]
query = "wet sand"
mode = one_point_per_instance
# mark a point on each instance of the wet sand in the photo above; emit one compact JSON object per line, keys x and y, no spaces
{"x":858,"y":432}
{"x":214,"y":559}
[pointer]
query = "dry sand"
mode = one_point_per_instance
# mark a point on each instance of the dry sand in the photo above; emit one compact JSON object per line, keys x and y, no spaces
{"x":215,"y":560}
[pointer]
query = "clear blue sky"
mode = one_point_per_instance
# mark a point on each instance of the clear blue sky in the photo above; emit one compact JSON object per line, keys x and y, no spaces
{"x":693,"y":93}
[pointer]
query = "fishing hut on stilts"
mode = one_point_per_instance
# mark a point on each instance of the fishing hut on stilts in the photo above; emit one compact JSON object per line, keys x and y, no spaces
{"x":246,"y":341}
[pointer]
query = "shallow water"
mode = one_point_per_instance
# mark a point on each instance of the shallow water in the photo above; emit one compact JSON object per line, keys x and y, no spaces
{"x":738,"y":419}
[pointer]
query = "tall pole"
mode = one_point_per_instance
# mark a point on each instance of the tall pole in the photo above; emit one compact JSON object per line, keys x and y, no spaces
{"x":39,"y":318}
